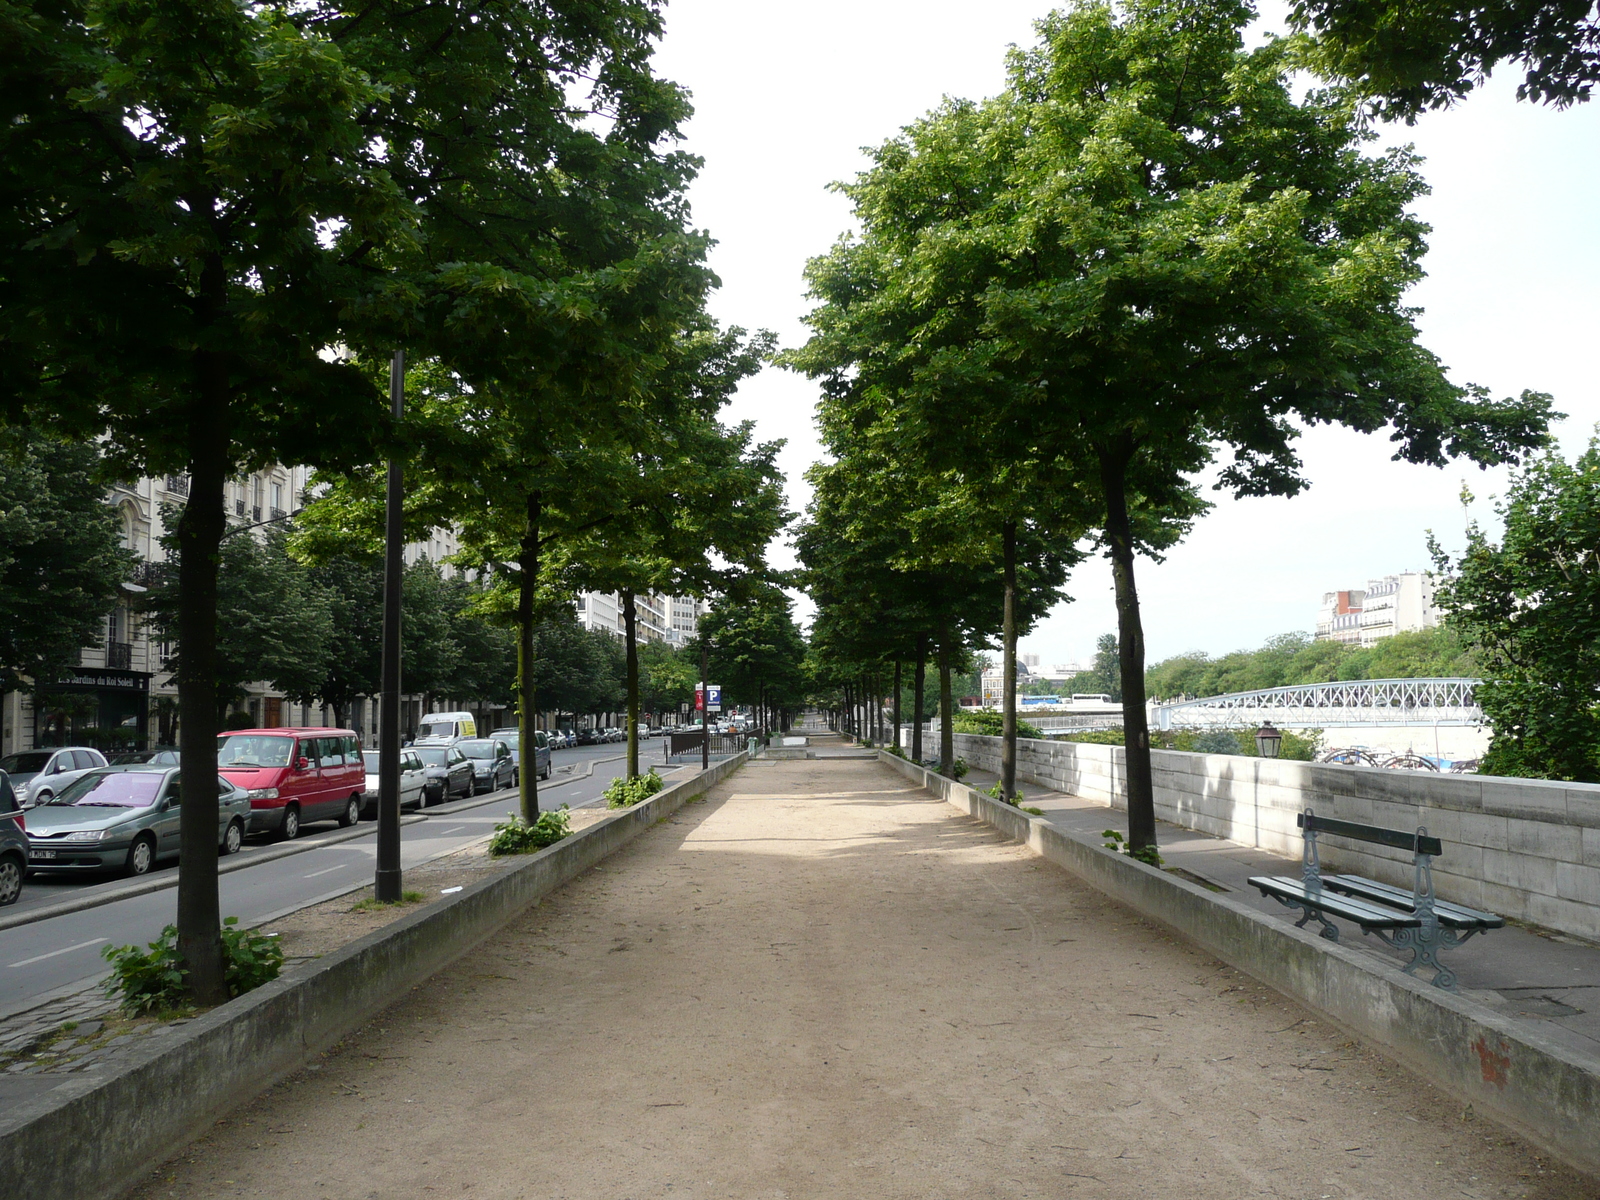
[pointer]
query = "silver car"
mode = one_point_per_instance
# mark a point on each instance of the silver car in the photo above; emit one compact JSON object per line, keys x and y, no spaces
{"x":124,"y":818}
{"x":38,"y":775}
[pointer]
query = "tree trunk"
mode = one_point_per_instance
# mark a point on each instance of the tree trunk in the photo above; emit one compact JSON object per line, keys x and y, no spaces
{"x":947,"y":751}
{"x":1130,"y":650}
{"x":630,"y":638}
{"x":921,"y":679}
{"x":527,"y":587}
{"x":1008,"y":661}
{"x":897,"y":704}
{"x":200,"y":531}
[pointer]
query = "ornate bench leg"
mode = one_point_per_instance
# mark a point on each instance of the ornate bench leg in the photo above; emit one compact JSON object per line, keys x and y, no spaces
{"x":1425,"y":944}
{"x":1329,"y":929}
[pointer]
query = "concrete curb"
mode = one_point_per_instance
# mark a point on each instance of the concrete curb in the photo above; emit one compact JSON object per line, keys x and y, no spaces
{"x":225,"y":866}
{"x":1547,"y":1092}
{"x":101,"y":1136}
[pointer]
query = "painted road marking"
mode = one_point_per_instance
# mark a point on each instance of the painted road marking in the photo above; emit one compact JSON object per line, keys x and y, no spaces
{"x":326,"y":870}
{"x":28,"y":962}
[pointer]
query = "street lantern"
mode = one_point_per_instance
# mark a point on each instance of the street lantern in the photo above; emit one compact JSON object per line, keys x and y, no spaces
{"x":1268,"y":741}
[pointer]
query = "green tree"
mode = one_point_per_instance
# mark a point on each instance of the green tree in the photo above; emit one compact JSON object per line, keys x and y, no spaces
{"x":275,"y":621}
{"x":1181,"y":259}
{"x":1413,"y":55}
{"x":62,"y":562}
{"x":1529,"y":606}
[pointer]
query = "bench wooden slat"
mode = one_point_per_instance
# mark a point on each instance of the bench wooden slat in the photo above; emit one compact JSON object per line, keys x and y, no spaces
{"x":1456,"y":916}
{"x":1372,"y":833}
{"x":1368,"y":916}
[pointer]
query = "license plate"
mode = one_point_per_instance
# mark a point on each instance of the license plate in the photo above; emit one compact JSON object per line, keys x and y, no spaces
{"x":41,"y":853}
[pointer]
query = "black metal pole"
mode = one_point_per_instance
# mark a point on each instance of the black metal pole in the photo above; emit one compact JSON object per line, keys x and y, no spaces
{"x":386,"y":884}
{"x":705,"y":712}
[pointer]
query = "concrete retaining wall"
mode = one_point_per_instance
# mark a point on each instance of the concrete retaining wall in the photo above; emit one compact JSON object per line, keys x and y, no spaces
{"x":1547,"y":1092}
{"x":1526,"y":848}
{"x":99,"y":1137}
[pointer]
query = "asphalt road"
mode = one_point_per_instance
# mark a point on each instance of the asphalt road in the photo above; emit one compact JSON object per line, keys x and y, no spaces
{"x":61,"y":954}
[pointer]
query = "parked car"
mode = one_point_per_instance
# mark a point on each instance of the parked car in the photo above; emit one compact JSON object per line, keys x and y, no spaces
{"x":447,"y":725}
{"x":413,"y":781}
{"x":589,"y":737}
{"x":124,"y":818}
{"x":447,"y":771}
{"x":13,"y":843}
{"x":492,"y":768}
{"x":38,"y":775}
{"x":294,"y":776}
{"x":512,"y":738}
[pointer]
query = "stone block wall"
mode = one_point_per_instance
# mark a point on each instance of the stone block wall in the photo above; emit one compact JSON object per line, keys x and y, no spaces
{"x":1525,"y":848}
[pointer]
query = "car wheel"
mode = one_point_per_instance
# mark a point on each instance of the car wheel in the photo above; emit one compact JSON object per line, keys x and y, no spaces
{"x":233,"y":839}
{"x":291,"y":823}
{"x":43,"y":798}
{"x":516,"y":778}
{"x":10,"y":880}
{"x":547,"y":770}
{"x":352,"y":812}
{"x":141,"y":856}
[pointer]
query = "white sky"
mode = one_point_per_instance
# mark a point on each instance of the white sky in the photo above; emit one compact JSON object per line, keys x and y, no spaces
{"x":785,"y":97}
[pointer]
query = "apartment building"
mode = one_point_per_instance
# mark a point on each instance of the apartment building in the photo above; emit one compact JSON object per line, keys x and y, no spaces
{"x":660,"y":618}
{"x":1400,"y":603}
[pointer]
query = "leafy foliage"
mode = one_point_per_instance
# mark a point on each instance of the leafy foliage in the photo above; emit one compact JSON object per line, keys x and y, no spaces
{"x":517,"y":836}
{"x":1408,"y":56}
{"x":1294,"y":658}
{"x":623,"y":792}
{"x":152,"y":980}
{"x":1529,"y":608}
{"x":990,"y":724}
{"x":61,"y":557}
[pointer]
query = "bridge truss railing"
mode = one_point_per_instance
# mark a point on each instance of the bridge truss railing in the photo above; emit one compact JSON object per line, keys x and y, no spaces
{"x":1364,"y":702}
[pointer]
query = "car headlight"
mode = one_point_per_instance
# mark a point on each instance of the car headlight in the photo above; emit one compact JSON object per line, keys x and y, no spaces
{"x":86,"y":835}
{"x":262,"y":793}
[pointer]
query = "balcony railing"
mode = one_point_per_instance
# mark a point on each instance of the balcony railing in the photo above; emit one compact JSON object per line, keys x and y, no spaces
{"x":238,"y":508}
{"x":278,"y":514}
{"x":178,"y":485}
{"x":119,"y":656}
{"x":255,"y":512}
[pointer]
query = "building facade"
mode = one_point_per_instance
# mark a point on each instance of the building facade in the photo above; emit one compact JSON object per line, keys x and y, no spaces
{"x":660,"y":618}
{"x":1400,"y":603}
{"x":123,"y":696}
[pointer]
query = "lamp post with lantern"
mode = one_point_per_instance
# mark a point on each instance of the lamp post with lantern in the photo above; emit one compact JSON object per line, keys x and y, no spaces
{"x":1268,"y":740}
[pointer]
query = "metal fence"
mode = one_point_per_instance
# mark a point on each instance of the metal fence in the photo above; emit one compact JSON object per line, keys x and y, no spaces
{"x":686,"y":746}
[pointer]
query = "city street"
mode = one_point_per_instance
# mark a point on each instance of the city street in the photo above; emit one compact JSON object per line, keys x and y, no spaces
{"x":61,"y":954}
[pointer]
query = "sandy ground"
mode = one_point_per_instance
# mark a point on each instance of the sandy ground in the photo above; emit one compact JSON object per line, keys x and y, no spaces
{"x":819,"y":982}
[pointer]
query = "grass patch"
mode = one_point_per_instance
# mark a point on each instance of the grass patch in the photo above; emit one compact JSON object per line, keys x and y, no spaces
{"x":373,"y":904}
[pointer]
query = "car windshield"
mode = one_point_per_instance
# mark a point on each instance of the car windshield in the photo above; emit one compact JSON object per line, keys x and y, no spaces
{"x":434,"y":756}
{"x":253,"y":750}
{"x":509,"y":739}
{"x":114,"y":789}
{"x":369,"y":759}
{"x":476,"y":749}
{"x":29,"y":763}
{"x":437,"y":729}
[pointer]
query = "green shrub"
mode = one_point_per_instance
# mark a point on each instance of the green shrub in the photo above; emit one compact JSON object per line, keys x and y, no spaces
{"x":517,"y":836}
{"x":993,"y":792}
{"x":990,"y":724}
{"x":252,"y":957}
{"x":1148,"y":855}
{"x":152,"y":980}
{"x":625,"y":793}
{"x":958,"y":769}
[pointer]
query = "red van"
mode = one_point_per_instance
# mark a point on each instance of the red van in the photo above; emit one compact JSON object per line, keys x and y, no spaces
{"x":293,"y":776}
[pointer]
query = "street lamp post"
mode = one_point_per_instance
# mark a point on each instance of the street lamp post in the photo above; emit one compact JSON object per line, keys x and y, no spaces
{"x":386,"y":882}
{"x":1268,"y":741}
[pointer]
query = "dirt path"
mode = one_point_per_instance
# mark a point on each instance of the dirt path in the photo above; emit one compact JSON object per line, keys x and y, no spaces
{"x":819,"y":982}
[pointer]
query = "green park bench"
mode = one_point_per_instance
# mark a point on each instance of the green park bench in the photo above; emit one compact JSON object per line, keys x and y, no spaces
{"x":1416,"y":920}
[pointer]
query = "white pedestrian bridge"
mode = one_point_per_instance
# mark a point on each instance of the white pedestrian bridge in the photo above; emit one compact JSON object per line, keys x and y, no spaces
{"x":1366,"y":702}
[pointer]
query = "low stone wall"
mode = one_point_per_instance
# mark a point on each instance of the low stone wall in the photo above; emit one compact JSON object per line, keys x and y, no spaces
{"x":1548,"y":1092}
{"x":1525,"y":848}
{"x":100,"y":1136}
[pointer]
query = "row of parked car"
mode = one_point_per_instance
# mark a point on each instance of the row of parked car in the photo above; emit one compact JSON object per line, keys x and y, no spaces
{"x":72,"y":810}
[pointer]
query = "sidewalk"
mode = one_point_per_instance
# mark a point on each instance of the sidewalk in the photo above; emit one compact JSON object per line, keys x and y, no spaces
{"x":1538,"y":975}
{"x":821,"y":982}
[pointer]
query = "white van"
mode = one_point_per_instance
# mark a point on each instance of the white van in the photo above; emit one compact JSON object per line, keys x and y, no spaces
{"x":447,"y":725}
